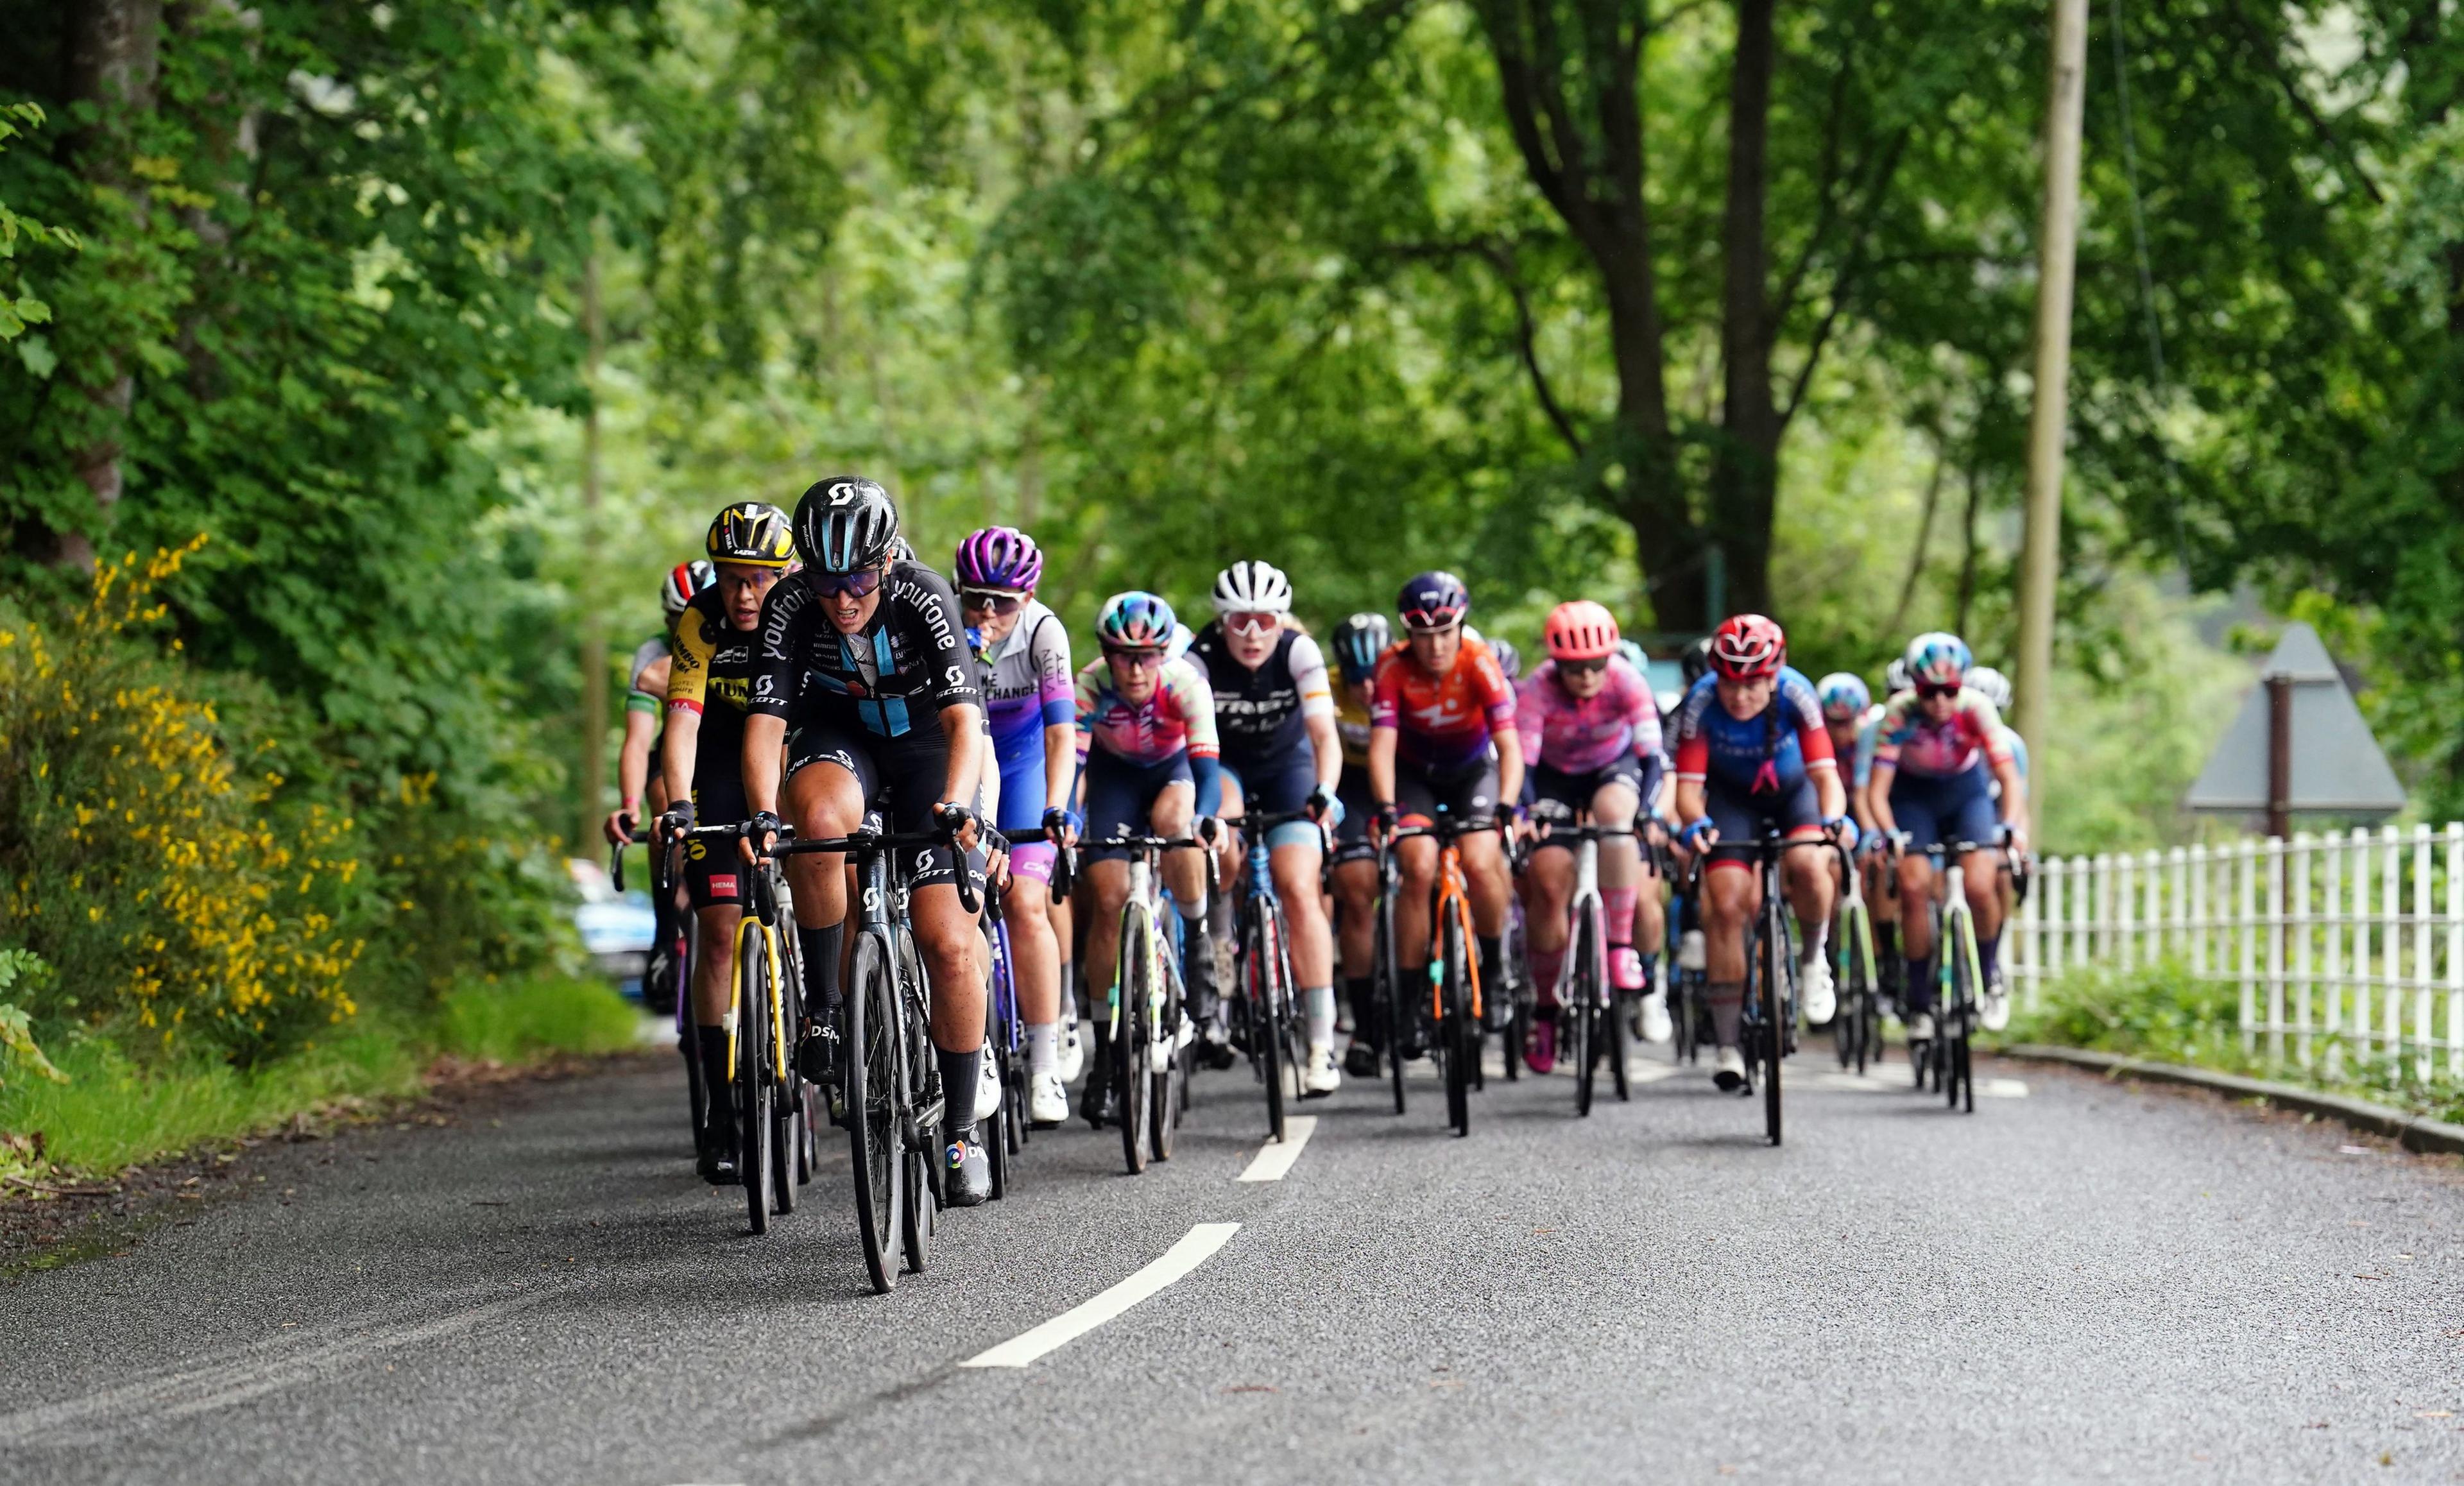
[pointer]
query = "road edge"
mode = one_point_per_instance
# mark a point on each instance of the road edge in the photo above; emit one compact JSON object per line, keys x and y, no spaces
{"x":2413,"y":1133}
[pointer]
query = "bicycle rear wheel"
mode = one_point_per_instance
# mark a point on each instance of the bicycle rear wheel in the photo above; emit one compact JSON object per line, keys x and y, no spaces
{"x":1387,"y":991}
{"x":875,"y":1076}
{"x":755,"y":1129}
{"x":1959,"y":1017}
{"x":1167,"y":1085}
{"x":997,"y":1148}
{"x":1460,"y":1039}
{"x":922,"y":1178}
{"x":1131,"y":1033}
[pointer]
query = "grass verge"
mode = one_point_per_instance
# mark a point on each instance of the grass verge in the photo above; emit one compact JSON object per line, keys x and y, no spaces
{"x":2163,"y":1014}
{"x":115,"y":1112}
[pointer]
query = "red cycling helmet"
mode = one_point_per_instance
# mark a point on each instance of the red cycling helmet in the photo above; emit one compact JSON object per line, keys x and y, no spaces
{"x":1580,"y":630}
{"x":1748,"y":647}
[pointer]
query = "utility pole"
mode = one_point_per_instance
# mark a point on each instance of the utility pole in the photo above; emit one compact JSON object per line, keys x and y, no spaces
{"x":2058,"y":254}
{"x":594,"y":633}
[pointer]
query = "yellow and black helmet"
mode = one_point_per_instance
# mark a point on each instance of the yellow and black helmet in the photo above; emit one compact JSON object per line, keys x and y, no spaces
{"x":752,"y":532}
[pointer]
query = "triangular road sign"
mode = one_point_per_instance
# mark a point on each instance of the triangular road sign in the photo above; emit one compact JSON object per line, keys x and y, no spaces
{"x":2336,"y":766}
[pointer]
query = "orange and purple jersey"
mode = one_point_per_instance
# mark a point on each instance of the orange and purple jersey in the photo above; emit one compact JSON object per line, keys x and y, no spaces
{"x":1444,"y":723}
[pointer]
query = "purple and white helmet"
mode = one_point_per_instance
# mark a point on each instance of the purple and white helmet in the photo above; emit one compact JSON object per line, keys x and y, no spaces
{"x":1000,"y":556}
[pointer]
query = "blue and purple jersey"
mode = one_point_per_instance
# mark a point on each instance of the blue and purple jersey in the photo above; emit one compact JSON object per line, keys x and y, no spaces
{"x":1764,"y":753}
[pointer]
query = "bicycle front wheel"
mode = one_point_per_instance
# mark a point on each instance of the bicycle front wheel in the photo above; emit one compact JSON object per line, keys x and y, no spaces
{"x":1958,"y":1015}
{"x":1132,"y":1032}
{"x":1266,"y":1044}
{"x":1579,"y":1014}
{"x":1771,"y":967}
{"x":875,"y":1076}
{"x":1387,"y":992}
{"x":1461,"y":1041}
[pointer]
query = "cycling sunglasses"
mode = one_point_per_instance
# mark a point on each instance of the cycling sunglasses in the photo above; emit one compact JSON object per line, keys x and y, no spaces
{"x":1141,"y":658}
{"x":1930,"y":690}
{"x":1252,"y":623}
{"x":1426,"y":621}
{"x":992,"y":601}
{"x":1592,"y":666}
{"x":835,"y":585}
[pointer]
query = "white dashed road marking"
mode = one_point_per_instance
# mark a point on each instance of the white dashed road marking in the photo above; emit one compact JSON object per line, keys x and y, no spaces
{"x":1194,"y":1248}
{"x":1276,"y":1158}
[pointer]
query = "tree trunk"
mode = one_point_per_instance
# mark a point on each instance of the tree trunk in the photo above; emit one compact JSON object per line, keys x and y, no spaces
{"x":1745,"y":476}
{"x":113,"y":61}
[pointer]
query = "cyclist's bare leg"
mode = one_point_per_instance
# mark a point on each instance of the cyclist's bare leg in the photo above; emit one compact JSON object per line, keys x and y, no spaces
{"x":1549,"y":893}
{"x":1355,"y":895}
{"x":1808,"y":879}
{"x":1982,"y":870}
{"x":714,"y":970}
{"x":1633,"y":913}
{"x":1295,"y":868}
{"x":1034,"y":953}
{"x":1732,"y":894}
{"x":1107,"y":888}
{"x":1916,"y":890}
{"x":1184,"y":872}
{"x":1416,"y":859}
{"x":946,"y":937}
{"x":1492,"y":887}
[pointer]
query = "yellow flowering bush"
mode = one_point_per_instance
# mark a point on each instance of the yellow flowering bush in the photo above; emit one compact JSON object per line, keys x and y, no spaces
{"x":149,"y":854}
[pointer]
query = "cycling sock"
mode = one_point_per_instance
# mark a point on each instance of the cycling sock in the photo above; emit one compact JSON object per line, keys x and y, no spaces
{"x":1191,"y":911}
{"x":1989,"y":955}
{"x":1920,"y":993}
{"x":1728,"y":998}
{"x":1814,"y":937}
{"x":1547,"y":965}
{"x":1618,"y":906}
{"x":1219,"y":916}
{"x":819,"y":948}
{"x":711,"y":1042}
{"x":1042,"y":1047}
{"x":959,"y":1072}
{"x":1068,"y":992}
{"x":1886,"y":941}
{"x":1492,"y":960}
{"x":1321,"y":1014}
{"x":1364,"y":1025}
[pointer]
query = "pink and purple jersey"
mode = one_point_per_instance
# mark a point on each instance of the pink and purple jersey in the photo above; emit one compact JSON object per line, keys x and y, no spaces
{"x":1444,"y":723}
{"x":1581,"y":738}
{"x":1179,"y":714}
{"x":1915,"y":744}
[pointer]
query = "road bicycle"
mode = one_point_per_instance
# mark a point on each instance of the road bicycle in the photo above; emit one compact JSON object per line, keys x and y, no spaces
{"x":1448,"y":1018}
{"x":775,"y":1134}
{"x":1005,"y":1030}
{"x":889,"y":1082}
{"x":1266,"y":1025}
{"x":1856,"y":1027}
{"x":1771,"y":1008}
{"x":1946,"y":1063}
{"x":1589,"y":1022}
{"x":1148,"y":1026}
{"x":1690,"y":1005}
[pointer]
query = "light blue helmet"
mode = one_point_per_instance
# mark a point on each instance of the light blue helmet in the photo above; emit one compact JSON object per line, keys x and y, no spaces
{"x":1843,"y":695}
{"x":1135,"y":620}
{"x":1936,"y":659}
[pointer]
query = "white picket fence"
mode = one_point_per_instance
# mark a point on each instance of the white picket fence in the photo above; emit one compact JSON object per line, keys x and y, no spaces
{"x":2346,"y":948}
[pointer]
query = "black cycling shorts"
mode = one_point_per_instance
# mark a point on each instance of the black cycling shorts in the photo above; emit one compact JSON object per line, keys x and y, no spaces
{"x":1468,"y":793}
{"x":1558,"y":796}
{"x":901,"y":778}
{"x":715,"y":869}
{"x":1352,"y":836}
{"x":1739,"y":815}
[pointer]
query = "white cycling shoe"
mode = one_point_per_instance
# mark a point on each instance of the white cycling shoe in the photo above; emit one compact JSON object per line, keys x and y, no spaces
{"x":1814,"y":990}
{"x":988,"y":1088}
{"x":1324,"y":1074}
{"x":1920,"y":1026}
{"x":1729,"y":1071}
{"x":1073,"y":1052}
{"x":1656,"y":1026}
{"x":1048,"y":1103}
{"x":1993,"y":1008}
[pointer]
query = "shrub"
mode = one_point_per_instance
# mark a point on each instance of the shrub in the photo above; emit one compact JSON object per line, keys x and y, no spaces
{"x":2156,"y":1011}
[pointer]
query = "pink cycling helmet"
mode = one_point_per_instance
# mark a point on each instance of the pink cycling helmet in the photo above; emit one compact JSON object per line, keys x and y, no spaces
{"x":1580,"y":630}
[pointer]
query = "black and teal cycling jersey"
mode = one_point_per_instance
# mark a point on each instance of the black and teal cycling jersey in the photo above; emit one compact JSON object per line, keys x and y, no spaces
{"x":895,"y":675}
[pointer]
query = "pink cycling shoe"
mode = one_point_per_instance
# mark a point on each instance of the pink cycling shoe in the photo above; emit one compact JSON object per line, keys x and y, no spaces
{"x":1625,"y":968}
{"x":1540,"y":1048}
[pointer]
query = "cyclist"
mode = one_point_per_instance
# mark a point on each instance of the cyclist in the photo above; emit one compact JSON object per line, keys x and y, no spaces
{"x":1357,"y":642}
{"x":1941,"y":745}
{"x":1751,"y":750}
{"x":1029,"y":702}
{"x":1146,"y":764}
{"x":1442,"y":733}
{"x":863,"y":683}
{"x":710,"y":680}
{"x":637,"y":783}
{"x":1275,"y":713}
{"x":1996,"y":687}
{"x":1591,"y":731}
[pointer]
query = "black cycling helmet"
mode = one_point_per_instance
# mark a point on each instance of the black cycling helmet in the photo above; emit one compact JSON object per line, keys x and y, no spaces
{"x":845,"y":524}
{"x":1433,"y":600}
{"x":1358,"y":642}
{"x":1697,"y":660}
{"x":751,"y":531}
{"x":1509,"y":659}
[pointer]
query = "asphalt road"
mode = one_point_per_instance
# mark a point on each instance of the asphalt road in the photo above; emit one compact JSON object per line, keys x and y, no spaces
{"x":2079,"y":1282}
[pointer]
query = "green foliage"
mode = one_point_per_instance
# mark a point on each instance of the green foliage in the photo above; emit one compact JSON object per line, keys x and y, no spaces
{"x":19,"y":307}
{"x":24,"y":972}
{"x":2158,"y":1012}
{"x":524,"y":1021}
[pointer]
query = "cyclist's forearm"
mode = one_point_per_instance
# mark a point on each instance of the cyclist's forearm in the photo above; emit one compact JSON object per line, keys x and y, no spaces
{"x":765,"y":739}
{"x":1878,"y":797}
{"x":1829,"y":799}
{"x":1328,"y":745}
{"x":964,"y":727}
{"x":1382,"y":764}
{"x":1060,"y":764}
{"x":1509,"y":772}
{"x":2015,"y":798}
{"x":634,"y":759}
{"x":1690,"y":802}
{"x":683,"y":747}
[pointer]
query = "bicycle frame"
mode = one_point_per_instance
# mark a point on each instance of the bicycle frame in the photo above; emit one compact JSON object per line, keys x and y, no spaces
{"x":1450,"y":895}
